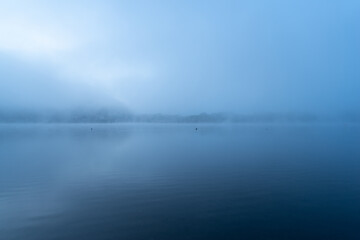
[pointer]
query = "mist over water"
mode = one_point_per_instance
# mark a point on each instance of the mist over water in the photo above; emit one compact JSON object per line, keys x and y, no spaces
{"x":154,"y":119}
{"x":136,"y":181}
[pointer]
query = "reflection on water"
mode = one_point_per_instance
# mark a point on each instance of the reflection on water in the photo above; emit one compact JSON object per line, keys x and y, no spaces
{"x":171,"y":182}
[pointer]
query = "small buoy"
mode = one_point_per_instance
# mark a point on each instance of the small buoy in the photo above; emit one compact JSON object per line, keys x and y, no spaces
{"x":196,"y":129}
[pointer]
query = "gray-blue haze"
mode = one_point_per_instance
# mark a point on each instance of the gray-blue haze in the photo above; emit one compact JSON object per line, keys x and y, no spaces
{"x":112,"y":61}
{"x":154,"y":181}
{"x":181,"y":57}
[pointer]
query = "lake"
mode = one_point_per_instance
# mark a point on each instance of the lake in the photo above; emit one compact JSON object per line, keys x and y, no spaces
{"x":169,"y":181}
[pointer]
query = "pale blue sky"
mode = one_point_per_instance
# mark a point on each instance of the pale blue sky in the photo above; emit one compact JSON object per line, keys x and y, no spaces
{"x":181,"y":56}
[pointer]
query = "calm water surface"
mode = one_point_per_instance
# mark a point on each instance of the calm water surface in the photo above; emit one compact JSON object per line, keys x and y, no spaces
{"x":171,"y":182}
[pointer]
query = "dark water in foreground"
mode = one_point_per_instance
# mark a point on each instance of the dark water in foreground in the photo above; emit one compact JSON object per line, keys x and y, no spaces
{"x":171,"y":182}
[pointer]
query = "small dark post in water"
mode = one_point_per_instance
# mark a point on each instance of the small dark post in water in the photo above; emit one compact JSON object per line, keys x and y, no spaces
{"x":195,"y":129}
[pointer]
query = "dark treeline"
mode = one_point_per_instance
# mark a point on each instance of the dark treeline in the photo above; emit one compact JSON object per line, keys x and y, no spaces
{"x":119,"y":115}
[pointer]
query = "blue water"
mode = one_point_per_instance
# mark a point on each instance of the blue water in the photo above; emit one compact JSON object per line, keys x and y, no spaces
{"x":132,"y":181}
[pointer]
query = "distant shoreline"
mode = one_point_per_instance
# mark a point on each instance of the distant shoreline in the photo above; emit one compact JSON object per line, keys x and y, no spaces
{"x":107,"y":117}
